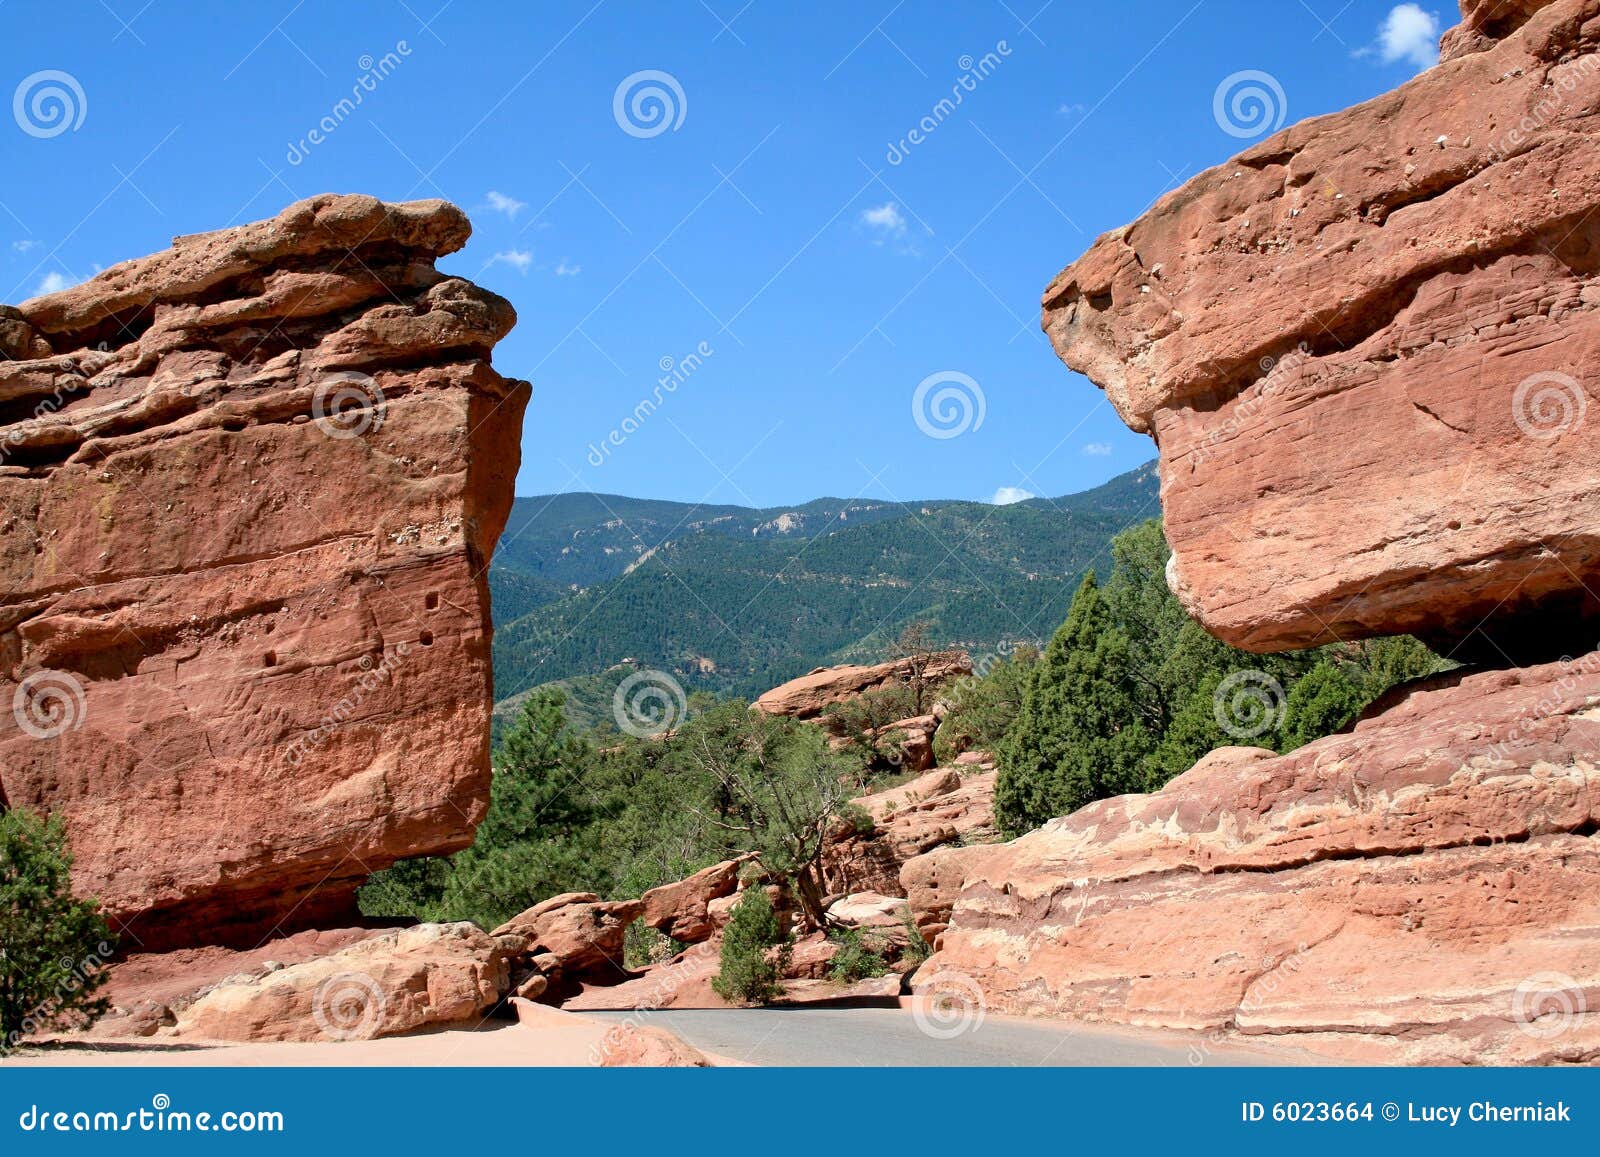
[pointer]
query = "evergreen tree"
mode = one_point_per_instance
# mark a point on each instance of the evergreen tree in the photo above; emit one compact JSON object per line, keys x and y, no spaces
{"x":53,"y":948}
{"x":1321,"y":703}
{"x":1079,"y":736}
{"x":755,"y":951}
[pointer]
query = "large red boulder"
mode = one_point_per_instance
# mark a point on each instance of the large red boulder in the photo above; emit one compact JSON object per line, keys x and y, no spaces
{"x":249,"y":488}
{"x":1369,"y":350}
{"x":1425,"y":888}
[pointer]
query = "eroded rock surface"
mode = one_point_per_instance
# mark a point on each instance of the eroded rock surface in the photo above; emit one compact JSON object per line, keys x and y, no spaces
{"x":249,"y":488}
{"x":1367,"y":348}
{"x":1423,"y":889}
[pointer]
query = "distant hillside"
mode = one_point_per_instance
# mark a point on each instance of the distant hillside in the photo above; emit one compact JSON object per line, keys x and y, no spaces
{"x":735,"y":600}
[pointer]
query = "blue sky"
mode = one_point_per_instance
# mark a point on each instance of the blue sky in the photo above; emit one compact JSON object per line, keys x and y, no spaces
{"x":778,"y":216}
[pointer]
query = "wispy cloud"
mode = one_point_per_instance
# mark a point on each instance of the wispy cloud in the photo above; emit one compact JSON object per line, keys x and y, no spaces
{"x":886,"y":219}
{"x":1097,"y":449}
{"x":1071,"y":110}
{"x":53,"y":282}
{"x":510,"y":206}
{"x":1410,"y":34}
{"x":520,"y":259}
{"x":23,"y":246}
{"x":1006,"y":495}
{"x":565,"y":270}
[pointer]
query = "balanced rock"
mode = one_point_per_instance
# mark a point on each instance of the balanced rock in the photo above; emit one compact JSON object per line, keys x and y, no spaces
{"x":249,"y":488}
{"x":681,"y":909}
{"x":1422,"y":889}
{"x":1367,"y":349}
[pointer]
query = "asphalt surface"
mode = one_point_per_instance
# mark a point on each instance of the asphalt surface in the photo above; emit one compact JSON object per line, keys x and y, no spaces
{"x":895,"y":1037}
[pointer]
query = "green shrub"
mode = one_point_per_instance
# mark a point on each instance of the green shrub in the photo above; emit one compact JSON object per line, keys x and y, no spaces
{"x":859,"y":957}
{"x":755,"y":951}
{"x":53,"y":948}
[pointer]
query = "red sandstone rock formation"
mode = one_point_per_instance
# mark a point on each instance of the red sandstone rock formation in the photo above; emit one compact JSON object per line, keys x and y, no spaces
{"x":574,"y":935}
{"x":1390,"y":310}
{"x":938,"y":808}
{"x":249,"y":488}
{"x":805,"y":697}
{"x":1423,"y":889}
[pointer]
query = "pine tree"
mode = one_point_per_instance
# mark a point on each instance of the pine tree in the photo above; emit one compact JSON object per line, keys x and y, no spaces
{"x":1319,"y":704}
{"x":755,"y":951}
{"x":53,"y":948}
{"x":1078,"y":737}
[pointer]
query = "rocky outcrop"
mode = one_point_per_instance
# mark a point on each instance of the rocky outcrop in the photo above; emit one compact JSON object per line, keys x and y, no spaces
{"x":573,"y":937}
{"x":428,"y":976}
{"x":249,"y":488}
{"x":941,"y":807}
{"x":805,"y":697}
{"x":1425,"y":888}
{"x":1367,"y":350}
{"x":683,"y":910}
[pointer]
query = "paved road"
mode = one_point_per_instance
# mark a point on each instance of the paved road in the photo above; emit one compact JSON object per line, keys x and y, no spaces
{"x":886,"y":1036}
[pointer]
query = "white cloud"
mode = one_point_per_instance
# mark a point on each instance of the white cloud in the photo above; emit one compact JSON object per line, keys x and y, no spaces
{"x":1070,"y":110}
{"x":1097,"y":449}
{"x":1408,"y":33}
{"x":886,"y":219}
{"x":520,"y":259}
{"x":510,"y":206}
{"x":565,"y":270}
{"x":1006,"y":495}
{"x":52,"y":282}
{"x":23,"y":246}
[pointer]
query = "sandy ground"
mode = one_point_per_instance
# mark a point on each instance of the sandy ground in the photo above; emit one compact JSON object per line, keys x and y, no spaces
{"x":505,"y":1045}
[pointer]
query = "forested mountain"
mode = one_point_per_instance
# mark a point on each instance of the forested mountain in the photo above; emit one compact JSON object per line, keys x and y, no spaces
{"x":736,"y":600}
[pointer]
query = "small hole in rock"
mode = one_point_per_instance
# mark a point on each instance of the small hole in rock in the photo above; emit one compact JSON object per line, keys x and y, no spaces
{"x":426,"y":638}
{"x":270,"y":659}
{"x":432,"y":601}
